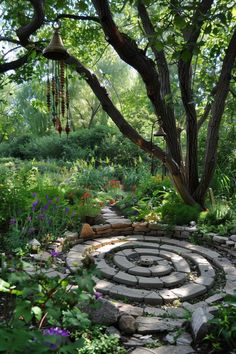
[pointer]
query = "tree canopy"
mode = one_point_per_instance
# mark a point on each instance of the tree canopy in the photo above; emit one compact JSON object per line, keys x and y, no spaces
{"x":183,"y":52}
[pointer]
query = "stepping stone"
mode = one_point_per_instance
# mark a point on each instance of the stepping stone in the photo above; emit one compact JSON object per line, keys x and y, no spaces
{"x":189,"y":291}
{"x":124,"y":278}
{"x":148,"y":251}
{"x":103,"y":286}
{"x":122,"y":262}
{"x":205,"y":280}
{"x":106,"y":248}
{"x":140,"y":271}
{"x":153,"y":298}
{"x":150,"y":282}
{"x":173,"y":279}
{"x":149,"y":325}
{"x":168,"y":296}
{"x":159,"y":270}
{"x":108,"y":272}
{"x":122,"y":292}
{"x":175,"y":249}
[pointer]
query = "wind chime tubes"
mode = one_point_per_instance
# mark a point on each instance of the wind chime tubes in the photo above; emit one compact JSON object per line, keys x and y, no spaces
{"x":57,"y":82}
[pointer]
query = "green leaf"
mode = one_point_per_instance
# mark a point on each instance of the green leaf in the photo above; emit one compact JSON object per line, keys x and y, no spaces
{"x":186,"y":55}
{"x":4,"y":286}
{"x":179,"y":22}
{"x":23,"y":309}
{"x":159,"y":46}
{"x":37,"y":312}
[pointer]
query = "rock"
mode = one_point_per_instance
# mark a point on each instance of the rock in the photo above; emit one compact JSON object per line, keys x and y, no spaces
{"x":170,"y":338}
{"x":86,"y":231}
{"x":113,"y":331}
{"x":199,"y":323}
{"x":127,"y":324}
{"x":233,"y":238}
{"x":184,"y":339}
{"x":41,"y":257}
{"x":167,"y":349}
{"x":71,"y":236}
{"x":220,"y":239}
{"x":106,"y":314}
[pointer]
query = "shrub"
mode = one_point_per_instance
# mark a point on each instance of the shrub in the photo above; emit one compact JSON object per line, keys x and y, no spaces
{"x":179,"y":213}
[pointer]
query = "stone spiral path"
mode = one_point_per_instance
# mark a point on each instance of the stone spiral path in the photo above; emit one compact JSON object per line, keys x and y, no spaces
{"x":158,"y":276}
{"x":154,"y":270}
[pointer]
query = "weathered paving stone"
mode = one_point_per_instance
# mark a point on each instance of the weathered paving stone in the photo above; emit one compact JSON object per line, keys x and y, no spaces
{"x":119,"y":223}
{"x":160,"y":270}
{"x":122,"y":262}
{"x":125,"y":278}
{"x":120,"y":291}
{"x":199,"y":323}
{"x":103,"y":286}
{"x":108,"y":272}
{"x":142,"y":271}
{"x":189,"y":291}
{"x":157,"y":324}
{"x":206,"y":252}
{"x":175,"y":249}
{"x":147,"y":251}
{"x":150,"y":282}
{"x":153,"y":298}
{"x":167,"y":349}
{"x":106,"y":248}
{"x":204,"y":280}
{"x":173,"y":279}
{"x":220,"y":239}
{"x":128,"y":309}
{"x":168,"y":296}
{"x":172,"y":312}
{"x":101,"y":227}
{"x":215,"y":298}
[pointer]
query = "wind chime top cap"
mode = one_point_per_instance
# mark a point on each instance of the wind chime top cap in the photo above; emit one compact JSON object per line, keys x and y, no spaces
{"x":56,"y":50}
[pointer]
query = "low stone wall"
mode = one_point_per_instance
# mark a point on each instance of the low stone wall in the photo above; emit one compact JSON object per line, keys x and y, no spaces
{"x":115,"y":225}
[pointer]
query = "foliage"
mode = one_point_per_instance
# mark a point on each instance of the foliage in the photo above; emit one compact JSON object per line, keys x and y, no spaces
{"x":178,"y":213}
{"x":42,"y":314}
{"x":96,"y":342}
{"x":222,"y":337}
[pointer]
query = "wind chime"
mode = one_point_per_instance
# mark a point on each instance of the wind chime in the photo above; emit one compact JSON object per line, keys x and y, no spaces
{"x":57,"y":82}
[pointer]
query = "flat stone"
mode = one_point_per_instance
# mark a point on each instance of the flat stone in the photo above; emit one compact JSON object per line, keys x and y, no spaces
{"x":120,"y":291}
{"x":220,"y":239}
{"x":125,"y":278}
{"x":192,"y":307}
{"x":108,"y":272}
{"x":119,"y":223}
{"x":147,"y":251}
{"x":233,"y":238}
{"x":215,"y":298}
{"x":140,"y":271}
{"x":160,"y":270}
{"x":199,"y":324}
{"x":230,"y":243}
{"x":179,"y":263}
{"x":174,"y":279}
{"x":167,"y":349}
{"x":150,"y":282}
{"x":148,"y":325}
{"x":113,"y":331}
{"x":129,"y":309}
{"x":101,"y":227}
{"x":71,"y":236}
{"x":184,"y":339}
{"x":168,"y":296}
{"x":175,"y":249}
{"x":189,"y":291}
{"x":122,"y":262}
{"x":153,"y":299}
{"x":41,"y":257}
{"x":106,"y":248}
{"x":204,"y":280}
{"x":103,"y":286}
{"x":206,"y":252}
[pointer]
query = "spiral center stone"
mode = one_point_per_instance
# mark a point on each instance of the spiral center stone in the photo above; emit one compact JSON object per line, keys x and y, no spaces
{"x":146,"y":261}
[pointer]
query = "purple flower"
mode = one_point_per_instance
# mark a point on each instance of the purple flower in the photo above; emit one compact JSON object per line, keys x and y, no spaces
{"x":98,"y":295}
{"x":29,"y":218}
{"x":56,"y":331}
{"x":34,"y":204}
{"x":54,"y":253}
{"x":12,"y":221}
{"x":34,"y":195}
{"x":67,"y":210}
{"x":45,"y":207}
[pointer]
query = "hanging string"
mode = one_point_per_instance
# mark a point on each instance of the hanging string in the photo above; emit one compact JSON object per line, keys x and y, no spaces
{"x":67,"y":127}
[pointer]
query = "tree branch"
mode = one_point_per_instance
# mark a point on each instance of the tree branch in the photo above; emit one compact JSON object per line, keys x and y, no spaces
{"x":24,"y":32}
{"x":78,"y":17}
{"x":204,"y":116}
{"x":185,"y":80}
{"x":129,"y":52}
{"x":9,"y":39}
{"x":222,"y":89}
{"x":15,"y":64}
